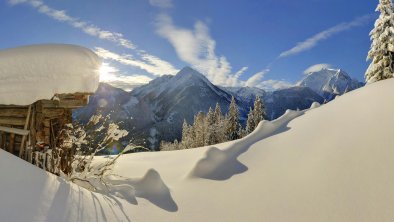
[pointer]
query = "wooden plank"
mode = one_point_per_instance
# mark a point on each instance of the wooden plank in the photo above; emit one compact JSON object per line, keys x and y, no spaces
{"x":68,"y":104}
{"x":3,"y":141}
{"x":52,"y":113}
{"x":11,"y":144}
{"x":14,"y":121}
{"x":22,"y":148}
{"x":13,"y":112}
{"x":16,"y":131}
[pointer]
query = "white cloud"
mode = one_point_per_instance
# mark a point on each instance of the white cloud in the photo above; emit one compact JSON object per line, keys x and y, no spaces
{"x":197,"y":48}
{"x":161,"y":3}
{"x":88,"y":28}
{"x":256,"y":79}
{"x":149,"y":63}
{"x":314,"y":40}
{"x":317,"y":67}
{"x":111,"y":75}
{"x":272,"y":85}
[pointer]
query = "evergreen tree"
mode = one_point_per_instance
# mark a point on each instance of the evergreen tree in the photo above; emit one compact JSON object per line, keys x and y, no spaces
{"x":187,"y":139}
{"x":210,"y":128}
{"x":382,"y":48}
{"x":220,"y":134}
{"x":199,"y":130}
{"x":218,"y":114}
{"x":258,"y":111}
{"x":232,"y":121}
{"x":250,"y":126}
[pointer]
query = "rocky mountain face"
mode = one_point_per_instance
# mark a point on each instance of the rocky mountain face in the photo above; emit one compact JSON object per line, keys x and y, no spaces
{"x":156,"y":111}
{"x":330,"y":83}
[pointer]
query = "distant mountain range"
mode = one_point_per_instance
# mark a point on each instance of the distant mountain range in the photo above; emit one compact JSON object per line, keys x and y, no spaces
{"x":156,"y":111}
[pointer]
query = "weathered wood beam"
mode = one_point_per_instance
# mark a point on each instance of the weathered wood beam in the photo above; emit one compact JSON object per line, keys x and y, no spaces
{"x":22,"y":147}
{"x":16,"y":131}
{"x":52,"y":113}
{"x":11,"y":144}
{"x":67,"y":104}
{"x":13,"y":112}
{"x":14,"y":121}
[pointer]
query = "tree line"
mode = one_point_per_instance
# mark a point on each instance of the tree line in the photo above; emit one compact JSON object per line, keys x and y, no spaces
{"x":214,"y":127}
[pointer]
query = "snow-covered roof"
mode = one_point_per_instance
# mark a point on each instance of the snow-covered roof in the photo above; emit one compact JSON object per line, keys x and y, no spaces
{"x":32,"y":73}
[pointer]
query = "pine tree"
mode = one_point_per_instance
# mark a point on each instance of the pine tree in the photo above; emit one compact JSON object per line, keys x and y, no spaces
{"x":187,"y":139}
{"x":258,"y":111}
{"x":210,"y":128}
{"x":220,"y":134}
{"x":218,"y":114}
{"x":250,"y":126}
{"x":199,"y":130}
{"x":232,"y":121}
{"x":382,"y":48}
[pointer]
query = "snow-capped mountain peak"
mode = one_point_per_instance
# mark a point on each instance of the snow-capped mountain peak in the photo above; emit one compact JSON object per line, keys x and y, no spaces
{"x":329,"y":83}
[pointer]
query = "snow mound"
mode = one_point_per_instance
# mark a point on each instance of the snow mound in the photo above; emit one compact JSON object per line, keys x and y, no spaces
{"x":36,"y":72}
{"x":315,"y":105}
{"x":223,"y":164}
{"x":29,"y":194}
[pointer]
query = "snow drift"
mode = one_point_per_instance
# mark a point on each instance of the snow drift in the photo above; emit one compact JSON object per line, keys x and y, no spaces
{"x":31,"y":73}
{"x":330,"y":163}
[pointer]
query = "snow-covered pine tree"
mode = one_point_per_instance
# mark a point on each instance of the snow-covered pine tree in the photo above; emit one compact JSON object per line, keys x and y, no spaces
{"x":232,"y":121}
{"x":258,"y":111}
{"x":187,"y":135}
{"x":199,"y":130}
{"x":219,"y":125}
{"x":210,"y":137}
{"x":250,"y":126}
{"x":382,"y":48}
{"x":218,"y":114}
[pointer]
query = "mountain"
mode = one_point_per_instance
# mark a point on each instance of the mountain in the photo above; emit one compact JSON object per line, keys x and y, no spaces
{"x":277,"y":102}
{"x":330,"y":83}
{"x":156,"y":111}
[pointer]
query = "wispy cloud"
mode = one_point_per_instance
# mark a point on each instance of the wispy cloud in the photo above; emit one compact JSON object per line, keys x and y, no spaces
{"x":271,"y":85}
{"x":314,"y":40}
{"x":317,"y":67}
{"x":161,"y":3}
{"x":256,"y":79}
{"x":86,"y":27}
{"x":197,"y":48}
{"x":144,"y":61}
{"x":149,"y":63}
{"x":113,"y":76}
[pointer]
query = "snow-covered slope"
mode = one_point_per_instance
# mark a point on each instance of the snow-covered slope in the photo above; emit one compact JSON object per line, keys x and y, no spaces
{"x":332,"y":163}
{"x":31,"y":73}
{"x":329,"y":83}
{"x":28,"y":194}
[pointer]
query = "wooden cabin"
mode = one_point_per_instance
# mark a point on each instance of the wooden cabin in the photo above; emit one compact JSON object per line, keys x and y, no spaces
{"x":32,"y":132}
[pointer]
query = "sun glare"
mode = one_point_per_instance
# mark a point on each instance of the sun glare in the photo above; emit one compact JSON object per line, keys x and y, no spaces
{"x":107,"y":72}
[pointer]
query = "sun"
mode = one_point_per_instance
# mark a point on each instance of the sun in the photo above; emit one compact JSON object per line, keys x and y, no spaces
{"x":107,"y":72}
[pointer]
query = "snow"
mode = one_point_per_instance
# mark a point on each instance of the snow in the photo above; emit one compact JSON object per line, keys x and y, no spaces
{"x":329,"y":82}
{"x":31,"y":73}
{"x":330,"y":163}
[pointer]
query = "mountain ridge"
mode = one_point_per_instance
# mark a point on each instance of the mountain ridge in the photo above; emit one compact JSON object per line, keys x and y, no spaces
{"x":156,"y":111}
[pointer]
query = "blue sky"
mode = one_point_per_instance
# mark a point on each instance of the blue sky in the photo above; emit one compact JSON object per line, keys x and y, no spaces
{"x":262,"y":43}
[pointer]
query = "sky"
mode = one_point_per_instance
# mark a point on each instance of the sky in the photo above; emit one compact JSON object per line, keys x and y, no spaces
{"x":268,"y":44}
